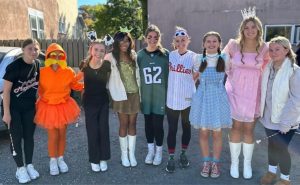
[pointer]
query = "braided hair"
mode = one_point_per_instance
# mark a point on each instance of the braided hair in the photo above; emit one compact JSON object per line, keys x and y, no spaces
{"x":221,"y":63}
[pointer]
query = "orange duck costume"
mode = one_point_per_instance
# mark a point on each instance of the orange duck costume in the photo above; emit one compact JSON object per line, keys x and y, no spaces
{"x":55,"y":108}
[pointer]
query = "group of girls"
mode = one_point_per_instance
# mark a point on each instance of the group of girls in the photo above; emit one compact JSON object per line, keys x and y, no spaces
{"x":260,"y":83}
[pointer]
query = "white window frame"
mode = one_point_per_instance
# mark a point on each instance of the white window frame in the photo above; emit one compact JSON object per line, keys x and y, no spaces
{"x":37,"y":15}
{"x":281,"y":25}
{"x":297,"y":32}
{"x":62,"y":25}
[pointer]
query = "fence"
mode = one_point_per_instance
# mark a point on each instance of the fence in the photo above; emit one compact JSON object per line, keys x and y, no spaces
{"x":76,"y":49}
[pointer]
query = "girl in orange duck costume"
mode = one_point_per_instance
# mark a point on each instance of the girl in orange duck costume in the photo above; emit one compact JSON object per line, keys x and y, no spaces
{"x":55,"y":109}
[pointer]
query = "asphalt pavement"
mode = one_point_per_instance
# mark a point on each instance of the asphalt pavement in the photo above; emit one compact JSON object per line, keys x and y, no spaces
{"x":80,"y":172}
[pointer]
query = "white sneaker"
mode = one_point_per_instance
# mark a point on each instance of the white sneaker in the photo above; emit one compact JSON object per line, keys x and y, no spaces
{"x":22,"y":175}
{"x":103,"y":166}
{"x":150,"y":155}
{"x":32,"y":172}
{"x":158,"y":156}
{"x":95,"y":167}
{"x":53,"y":166}
{"x":63,"y":167}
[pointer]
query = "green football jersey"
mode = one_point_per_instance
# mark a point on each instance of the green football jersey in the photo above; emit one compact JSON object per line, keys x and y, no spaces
{"x":154,"y":69}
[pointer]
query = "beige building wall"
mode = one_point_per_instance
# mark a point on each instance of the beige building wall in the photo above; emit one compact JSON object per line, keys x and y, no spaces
{"x":14,"y":18}
{"x":68,"y":12}
{"x":201,"y":16}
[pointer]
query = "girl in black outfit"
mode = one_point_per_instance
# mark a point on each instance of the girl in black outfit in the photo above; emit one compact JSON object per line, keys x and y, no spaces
{"x":19,"y":96}
{"x":95,"y":102}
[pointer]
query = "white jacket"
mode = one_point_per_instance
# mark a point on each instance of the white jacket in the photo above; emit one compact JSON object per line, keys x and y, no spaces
{"x":280,"y":90}
{"x":115,"y":84}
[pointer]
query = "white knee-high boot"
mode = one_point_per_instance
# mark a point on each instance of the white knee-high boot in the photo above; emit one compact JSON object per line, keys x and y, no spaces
{"x":124,"y":151}
{"x":235,"y":150}
{"x":247,"y":152}
{"x":132,"y":141}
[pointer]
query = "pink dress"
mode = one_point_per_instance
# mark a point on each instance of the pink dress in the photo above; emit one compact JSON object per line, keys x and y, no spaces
{"x":244,"y":81}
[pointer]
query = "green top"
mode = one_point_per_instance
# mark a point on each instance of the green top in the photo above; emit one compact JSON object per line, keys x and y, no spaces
{"x":127,"y":72}
{"x":154,"y":69}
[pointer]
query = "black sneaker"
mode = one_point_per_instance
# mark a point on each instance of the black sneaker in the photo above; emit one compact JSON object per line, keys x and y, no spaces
{"x":183,"y":160}
{"x":171,"y":165}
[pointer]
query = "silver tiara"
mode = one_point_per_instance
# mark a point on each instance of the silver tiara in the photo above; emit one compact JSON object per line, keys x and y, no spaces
{"x":251,"y":12}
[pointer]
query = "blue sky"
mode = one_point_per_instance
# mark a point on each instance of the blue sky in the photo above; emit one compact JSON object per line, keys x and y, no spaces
{"x":90,"y":2}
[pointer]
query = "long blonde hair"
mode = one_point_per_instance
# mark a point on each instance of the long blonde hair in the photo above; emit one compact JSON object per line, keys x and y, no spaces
{"x":259,"y":37}
{"x":89,"y":56}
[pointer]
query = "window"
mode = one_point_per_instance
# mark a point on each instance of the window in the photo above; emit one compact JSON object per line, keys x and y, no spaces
{"x":279,"y":30}
{"x":297,"y":36}
{"x":34,"y":32}
{"x":41,"y":27}
{"x":36,"y":19}
{"x":62,"y":25}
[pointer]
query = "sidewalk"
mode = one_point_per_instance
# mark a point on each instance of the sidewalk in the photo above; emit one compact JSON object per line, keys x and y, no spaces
{"x":80,"y":173}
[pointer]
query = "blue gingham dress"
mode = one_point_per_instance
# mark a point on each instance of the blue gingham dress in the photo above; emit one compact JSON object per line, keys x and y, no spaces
{"x":210,"y":107}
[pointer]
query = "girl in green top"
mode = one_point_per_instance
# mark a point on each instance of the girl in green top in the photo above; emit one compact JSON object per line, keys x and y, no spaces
{"x":124,"y":90}
{"x":153,"y":64}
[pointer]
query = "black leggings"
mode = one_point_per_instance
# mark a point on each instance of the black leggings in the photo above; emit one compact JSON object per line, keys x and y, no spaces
{"x":173,"y":117}
{"x":278,"y":153}
{"x":22,"y":127}
{"x":154,"y":128}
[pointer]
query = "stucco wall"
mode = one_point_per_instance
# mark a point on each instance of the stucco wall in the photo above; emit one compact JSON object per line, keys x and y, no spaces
{"x":14,"y":19}
{"x":201,"y":16}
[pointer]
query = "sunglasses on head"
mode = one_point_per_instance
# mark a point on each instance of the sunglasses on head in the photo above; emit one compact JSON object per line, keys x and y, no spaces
{"x":180,"y":33}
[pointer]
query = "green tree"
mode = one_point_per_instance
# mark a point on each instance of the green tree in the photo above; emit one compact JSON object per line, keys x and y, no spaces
{"x":119,"y":13}
{"x":144,"y":4}
{"x":89,"y":14}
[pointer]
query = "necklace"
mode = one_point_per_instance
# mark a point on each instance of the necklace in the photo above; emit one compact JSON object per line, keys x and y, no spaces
{"x":96,"y":71}
{"x":96,"y":66}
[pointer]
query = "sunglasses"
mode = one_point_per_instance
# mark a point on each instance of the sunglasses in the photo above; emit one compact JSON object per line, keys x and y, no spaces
{"x":57,"y":56}
{"x":180,"y":33}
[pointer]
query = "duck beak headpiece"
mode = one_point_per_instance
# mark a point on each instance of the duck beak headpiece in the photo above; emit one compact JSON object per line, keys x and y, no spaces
{"x":56,"y":55}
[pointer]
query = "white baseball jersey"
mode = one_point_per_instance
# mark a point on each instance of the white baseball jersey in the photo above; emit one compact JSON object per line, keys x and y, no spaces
{"x":181,"y":85}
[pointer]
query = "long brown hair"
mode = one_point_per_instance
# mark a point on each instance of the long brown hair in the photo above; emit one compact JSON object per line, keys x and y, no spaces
{"x":221,"y":64}
{"x":154,"y":28}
